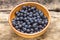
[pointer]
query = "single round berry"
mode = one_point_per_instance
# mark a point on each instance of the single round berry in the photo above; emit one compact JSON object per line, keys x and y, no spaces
{"x":17,"y":13}
{"x":24,"y":15}
{"x":28,"y":13}
{"x":16,"y":27}
{"x":21,"y":14}
{"x":25,"y":18}
{"x":21,"y":18}
{"x":28,"y":30}
{"x":24,"y":29}
{"x":37,"y":13}
{"x":33,"y":8}
{"x":24,"y":7}
{"x":34,"y":15}
{"x":36,"y":29}
{"x":21,"y":22}
{"x":42,"y":22}
{"x":39,"y":22}
{"x":25,"y":11}
{"x":35,"y":24}
{"x":20,"y":26}
{"x":29,"y":6}
{"x":35,"y":20}
{"x":34,"y":11}
{"x":40,"y":26}
{"x":28,"y":23}
{"x":41,"y":14}
{"x":32,"y":30}
{"x":26,"y":26}
{"x":46,"y":21}
{"x":18,"y":22}
{"x":22,"y":11}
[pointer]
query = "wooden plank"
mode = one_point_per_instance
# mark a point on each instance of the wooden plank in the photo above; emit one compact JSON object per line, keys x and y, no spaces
{"x":4,"y":16}
{"x":53,"y":32}
{"x":8,"y":5}
{"x":50,"y":7}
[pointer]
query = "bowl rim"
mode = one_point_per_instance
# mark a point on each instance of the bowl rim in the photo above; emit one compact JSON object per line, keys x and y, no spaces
{"x":27,"y":33}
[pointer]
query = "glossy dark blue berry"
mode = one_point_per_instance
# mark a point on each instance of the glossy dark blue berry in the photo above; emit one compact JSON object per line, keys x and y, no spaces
{"x":36,"y":29}
{"x":29,"y":10}
{"x":28,"y":23}
{"x":17,"y":19}
{"x":35,"y":20}
{"x":28,"y":30}
{"x":26,"y":26}
{"x":41,"y":14}
{"x":16,"y":27}
{"x":25,"y":11}
{"x":42,"y":22}
{"x":21,"y":18}
{"x":39,"y":11}
{"x":34,"y":11}
{"x":32,"y":30}
{"x":29,"y":6}
{"x":31,"y":20}
{"x":45,"y":21}
{"x":35,"y":24}
{"x":28,"y":13}
{"x":20,"y":26}
{"x":29,"y":26}
{"x":24,"y":15}
{"x":33,"y":8}
{"x":21,"y":14}
{"x":34,"y":15}
{"x":22,"y":11}
{"x":23,"y":24}
{"x":24,"y":7}
{"x":18,"y":22}
{"x":24,"y":29}
{"x":25,"y":18}
{"x":44,"y":25}
{"x":40,"y":26}
{"x":38,"y":17}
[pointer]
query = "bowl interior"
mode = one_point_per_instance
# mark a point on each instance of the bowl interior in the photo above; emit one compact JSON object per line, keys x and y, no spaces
{"x":17,"y":8}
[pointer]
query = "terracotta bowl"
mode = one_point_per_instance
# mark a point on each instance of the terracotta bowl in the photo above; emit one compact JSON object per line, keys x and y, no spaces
{"x":17,"y":8}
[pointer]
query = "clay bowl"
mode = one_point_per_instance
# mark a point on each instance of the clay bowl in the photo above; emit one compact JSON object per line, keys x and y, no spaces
{"x":17,"y":8}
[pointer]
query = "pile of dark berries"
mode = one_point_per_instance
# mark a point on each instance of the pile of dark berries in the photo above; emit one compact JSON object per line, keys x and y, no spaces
{"x":29,"y":20}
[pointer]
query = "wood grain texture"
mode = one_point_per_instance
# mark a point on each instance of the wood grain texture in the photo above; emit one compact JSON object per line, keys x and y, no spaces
{"x":9,"y":4}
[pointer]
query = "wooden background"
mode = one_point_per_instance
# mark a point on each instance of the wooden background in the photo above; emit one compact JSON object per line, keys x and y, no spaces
{"x":53,"y":32}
